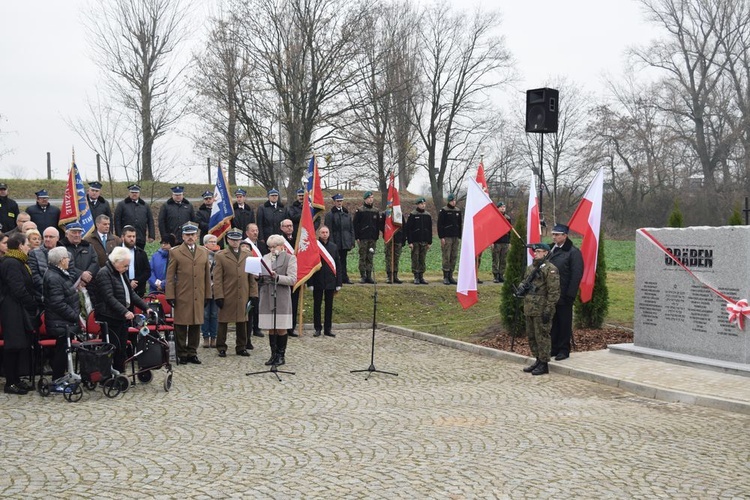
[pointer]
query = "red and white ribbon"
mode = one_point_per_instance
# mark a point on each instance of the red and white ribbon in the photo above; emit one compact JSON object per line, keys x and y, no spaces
{"x":738,"y":312}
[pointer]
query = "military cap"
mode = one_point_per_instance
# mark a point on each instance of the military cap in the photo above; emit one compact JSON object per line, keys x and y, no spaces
{"x":366,"y":195}
{"x":189,"y":228}
{"x":538,"y":246}
{"x":178,"y":189}
{"x":234,"y":234}
{"x":300,"y":191}
{"x":337,"y":197}
{"x":451,"y":197}
{"x":3,"y":185}
{"x":500,"y":204}
{"x":273,"y":191}
{"x":207,"y":194}
{"x":95,"y":185}
{"x":74,"y":226}
{"x":134,"y":188}
{"x":560,"y":229}
{"x":42,"y":193}
{"x":240,"y":191}
{"x":420,"y":200}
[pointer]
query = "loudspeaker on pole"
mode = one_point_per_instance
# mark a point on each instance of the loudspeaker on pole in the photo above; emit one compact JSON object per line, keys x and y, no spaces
{"x":541,"y":110}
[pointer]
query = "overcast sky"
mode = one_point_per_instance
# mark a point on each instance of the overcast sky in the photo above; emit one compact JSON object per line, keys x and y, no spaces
{"x":47,"y":74}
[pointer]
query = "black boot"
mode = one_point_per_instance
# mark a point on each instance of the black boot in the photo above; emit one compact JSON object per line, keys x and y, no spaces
{"x":450,"y":278}
{"x":531,"y":368}
{"x":368,"y":278}
{"x":281,"y":350}
{"x":541,"y":369}
{"x":272,"y":341}
{"x":388,"y":279}
{"x":421,"y":279}
{"x":416,"y":278}
{"x":362,"y":279}
{"x":395,"y":278}
{"x":446,"y":278}
{"x":496,"y":278}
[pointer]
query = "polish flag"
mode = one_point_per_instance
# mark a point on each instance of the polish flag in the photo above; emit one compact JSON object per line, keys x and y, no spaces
{"x":483,"y":224}
{"x":481,"y":179}
{"x":533,"y":224}
{"x":307,"y":248}
{"x":587,"y":220}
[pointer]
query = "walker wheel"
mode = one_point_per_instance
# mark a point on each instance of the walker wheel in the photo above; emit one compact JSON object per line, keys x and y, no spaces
{"x":89,"y":385}
{"x":123,"y":382}
{"x":145,"y":376}
{"x":168,"y":382}
{"x":42,"y":387}
{"x":111,"y":388}
{"x":75,"y":394}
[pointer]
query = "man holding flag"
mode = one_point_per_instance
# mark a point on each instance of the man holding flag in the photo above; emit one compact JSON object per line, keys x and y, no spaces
{"x":393,"y":234}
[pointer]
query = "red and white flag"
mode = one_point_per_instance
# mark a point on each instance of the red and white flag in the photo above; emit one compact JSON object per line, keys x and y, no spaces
{"x":533,"y":224}
{"x":587,"y":220}
{"x":307,"y":249}
{"x":483,"y":224}
{"x":393,"y":216}
{"x":326,"y":256}
{"x":481,"y":179}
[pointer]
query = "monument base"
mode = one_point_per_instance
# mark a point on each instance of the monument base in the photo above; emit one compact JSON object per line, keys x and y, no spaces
{"x":681,"y":359}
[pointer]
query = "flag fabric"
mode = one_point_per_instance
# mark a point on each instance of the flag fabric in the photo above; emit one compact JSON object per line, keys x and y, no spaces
{"x":314,"y":192}
{"x":481,"y":179}
{"x":326,"y":256}
{"x":393,"y":216}
{"x":288,"y":247}
{"x":533,"y":224}
{"x":483,"y":224}
{"x":253,"y":248}
{"x":587,"y":220}
{"x":222,"y":211}
{"x":75,"y":205}
{"x":307,"y":248}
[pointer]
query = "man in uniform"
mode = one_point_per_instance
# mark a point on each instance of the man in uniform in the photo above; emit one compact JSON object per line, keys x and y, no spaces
{"x":243,"y":214}
{"x":175,"y":212}
{"x":188,"y":287}
{"x":133,"y":211}
{"x":97,"y":204}
{"x":203,"y":214}
{"x":500,"y":249}
{"x":295,"y":210}
{"x":269,"y":218}
{"x":540,"y":290}
{"x":43,"y":214}
{"x":418,"y":231}
{"x":392,"y":252}
{"x":102,"y":240}
{"x":569,"y":262}
{"x":82,"y":255}
{"x":231,"y":293}
{"x":8,"y":210}
{"x":340,"y":224}
{"x":449,"y":226}
{"x":366,"y":233}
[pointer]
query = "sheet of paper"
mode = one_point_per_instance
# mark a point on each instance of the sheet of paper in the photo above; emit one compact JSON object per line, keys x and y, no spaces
{"x":253,"y":266}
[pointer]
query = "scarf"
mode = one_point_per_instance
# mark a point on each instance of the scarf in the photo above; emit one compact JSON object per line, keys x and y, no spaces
{"x":19,"y":255}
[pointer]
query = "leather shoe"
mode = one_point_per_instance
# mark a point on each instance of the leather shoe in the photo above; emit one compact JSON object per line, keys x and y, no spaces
{"x":258,"y":333}
{"x":243,"y":353}
{"x":182,"y":361}
{"x":15,"y":389}
{"x":317,"y":333}
{"x":292,"y":333}
{"x":531,"y":368}
{"x":194,"y":360}
{"x":329,"y":334}
{"x":542,"y":369}
{"x":561,"y":356}
{"x":222,"y":353}
{"x":249,"y":346}
{"x":25,"y":386}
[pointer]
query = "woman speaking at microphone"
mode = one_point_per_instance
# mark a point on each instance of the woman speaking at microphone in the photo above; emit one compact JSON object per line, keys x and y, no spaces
{"x":275,"y":313}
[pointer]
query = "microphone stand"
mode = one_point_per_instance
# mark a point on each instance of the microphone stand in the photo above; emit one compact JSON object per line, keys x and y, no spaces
{"x":371,"y":369}
{"x":274,"y":368}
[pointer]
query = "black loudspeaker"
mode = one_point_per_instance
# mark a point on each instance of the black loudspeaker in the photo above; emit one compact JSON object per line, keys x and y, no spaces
{"x":541,"y":111}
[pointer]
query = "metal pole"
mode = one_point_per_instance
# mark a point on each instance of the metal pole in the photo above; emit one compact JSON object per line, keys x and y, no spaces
{"x":746,"y":211}
{"x":49,"y":166}
{"x":98,"y":167}
{"x":541,"y":181}
{"x":208,"y":167}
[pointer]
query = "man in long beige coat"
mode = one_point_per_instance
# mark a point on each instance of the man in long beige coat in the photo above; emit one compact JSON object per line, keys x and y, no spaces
{"x":231,"y":293}
{"x":188,"y":279}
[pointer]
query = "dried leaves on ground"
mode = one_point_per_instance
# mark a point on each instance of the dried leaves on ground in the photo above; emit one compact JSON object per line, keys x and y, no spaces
{"x":585,"y":340}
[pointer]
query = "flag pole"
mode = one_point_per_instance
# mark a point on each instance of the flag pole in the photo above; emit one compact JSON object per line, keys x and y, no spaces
{"x":300,"y":310}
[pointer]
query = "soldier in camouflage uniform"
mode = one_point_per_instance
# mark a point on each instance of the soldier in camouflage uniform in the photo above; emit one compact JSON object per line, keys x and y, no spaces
{"x":366,"y":233}
{"x":539,"y":306}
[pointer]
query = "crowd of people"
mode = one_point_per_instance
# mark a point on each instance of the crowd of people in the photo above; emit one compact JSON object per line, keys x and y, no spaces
{"x":46,"y":268}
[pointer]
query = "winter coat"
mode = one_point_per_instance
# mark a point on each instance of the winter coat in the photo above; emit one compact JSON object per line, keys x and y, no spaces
{"x":449,"y":222}
{"x":295,"y":214}
{"x":38,"y":265}
{"x":285,"y":266}
{"x":158,"y":266}
{"x":44,"y":217}
{"x":19,"y":308}
{"x":340,"y":224}
{"x":108,"y":295}
{"x":366,"y":223}
{"x":142,"y":270}
{"x":569,"y":262}
{"x":269,"y":220}
{"x":8,"y":213}
{"x":243,"y":216}
{"x":102,"y":250}
{"x":101,"y":207}
{"x":188,"y":283}
{"x":82,"y":256}
{"x":137,"y":214}
{"x":324,"y":278}
{"x":203,"y":218}
{"x":418,"y":227}
{"x":232,"y":284}
{"x":62,"y":307}
{"x":173,"y":215}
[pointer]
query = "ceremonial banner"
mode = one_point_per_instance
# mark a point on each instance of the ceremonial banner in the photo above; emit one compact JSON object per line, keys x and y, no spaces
{"x":393,"y":216}
{"x":314,"y":192}
{"x":222,"y":211}
{"x":307,"y":248}
{"x":75,"y":204}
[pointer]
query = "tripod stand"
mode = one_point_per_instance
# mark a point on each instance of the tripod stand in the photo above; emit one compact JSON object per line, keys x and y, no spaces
{"x":274,"y":367}
{"x":371,"y":369}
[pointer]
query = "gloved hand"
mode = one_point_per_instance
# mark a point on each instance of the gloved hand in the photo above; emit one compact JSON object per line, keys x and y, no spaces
{"x":171,"y":302}
{"x":546,"y":317}
{"x":220,"y":303}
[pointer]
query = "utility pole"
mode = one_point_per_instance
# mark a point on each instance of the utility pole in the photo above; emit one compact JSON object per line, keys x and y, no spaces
{"x":49,"y":166}
{"x":208,"y":167}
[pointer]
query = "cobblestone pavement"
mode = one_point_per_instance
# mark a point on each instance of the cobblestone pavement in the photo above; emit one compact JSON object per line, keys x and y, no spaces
{"x":452,"y":424}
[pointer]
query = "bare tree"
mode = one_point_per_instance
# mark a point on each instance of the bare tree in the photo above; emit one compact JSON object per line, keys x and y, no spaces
{"x":3,"y":151}
{"x":461,"y":60}
{"x":136,"y":42}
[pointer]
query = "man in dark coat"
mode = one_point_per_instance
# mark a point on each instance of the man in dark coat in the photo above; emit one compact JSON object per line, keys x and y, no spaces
{"x":340,"y":225}
{"x":203,"y":214}
{"x":449,"y":227}
{"x":82,"y":255}
{"x":270,"y":215}
{"x":43,"y":214}
{"x":569,"y":262}
{"x":326,"y":282}
{"x":175,"y":212}
{"x":133,"y":211}
{"x":295,"y":209}
{"x":97,"y":204}
{"x":366,"y":233}
{"x":418,"y":232}
{"x":8,"y":210}
{"x":243,"y":214}
{"x":102,"y":240}
{"x":38,"y":260}
{"x":139,"y":270}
